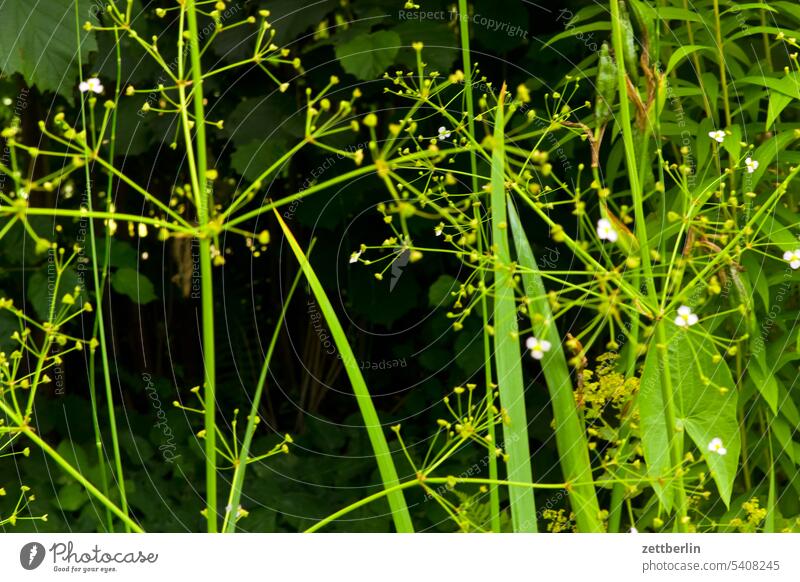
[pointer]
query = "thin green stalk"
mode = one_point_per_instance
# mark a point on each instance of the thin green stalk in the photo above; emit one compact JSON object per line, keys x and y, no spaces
{"x":494,"y":494}
{"x":433,"y":481}
{"x":506,"y":341}
{"x":64,"y":464}
{"x":674,"y":441}
{"x":723,"y":76}
{"x":383,"y":456}
{"x":641,"y":232}
{"x":99,"y":319}
{"x":772,"y":503}
{"x":229,"y":523}
{"x":205,"y":204}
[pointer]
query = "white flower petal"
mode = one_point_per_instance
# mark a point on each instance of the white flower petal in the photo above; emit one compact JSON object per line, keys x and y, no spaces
{"x":691,"y":319}
{"x":680,"y":321}
{"x":684,"y":310}
{"x":795,"y":264}
{"x":531,"y":342}
{"x":537,"y":354}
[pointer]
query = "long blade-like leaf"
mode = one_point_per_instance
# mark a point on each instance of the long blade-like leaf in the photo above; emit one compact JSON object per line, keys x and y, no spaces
{"x":397,"y":502}
{"x":506,"y":343}
{"x":570,"y":434}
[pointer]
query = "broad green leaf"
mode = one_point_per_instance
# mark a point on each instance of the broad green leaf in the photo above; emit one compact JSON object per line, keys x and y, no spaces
{"x":439,"y":292}
{"x":749,"y":6}
{"x":134,"y":285}
{"x":368,"y":55}
{"x":672,"y":13}
{"x":383,"y":456}
{"x":762,"y":376}
{"x":253,"y":158}
{"x":752,"y":30}
{"x":705,"y":400}
{"x":777,"y":103}
{"x":771,"y":150}
{"x":42,"y":290}
{"x":788,"y":8}
{"x":783,"y":434}
{"x":733,"y":142}
{"x":438,"y":38}
{"x":71,"y":497}
{"x":788,"y":85}
{"x":684,"y":52}
{"x":39,"y":41}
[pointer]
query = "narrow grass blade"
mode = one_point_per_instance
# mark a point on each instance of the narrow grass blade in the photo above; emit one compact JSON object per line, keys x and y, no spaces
{"x":229,"y":524}
{"x":570,"y":432}
{"x":506,"y":342}
{"x":397,"y":503}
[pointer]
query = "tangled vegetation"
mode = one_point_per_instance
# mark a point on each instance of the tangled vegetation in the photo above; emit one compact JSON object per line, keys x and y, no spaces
{"x":280,"y":268}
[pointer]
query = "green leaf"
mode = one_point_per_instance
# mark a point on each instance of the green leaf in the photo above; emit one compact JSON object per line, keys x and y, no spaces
{"x":682,"y":53}
{"x":368,"y":55}
{"x":570,"y":430}
{"x":41,"y":290}
{"x":383,"y":456}
{"x":253,"y":158}
{"x":576,"y":30}
{"x":134,"y":285}
{"x":777,"y":103}
{"x":40,"y":41}
{"x":71,"y":497}
{"x":439,"y":292}
{"x":705,"y":400}
{"x":762,"y":377}
{"x":439,"y":40}
{"x":507,"y":354}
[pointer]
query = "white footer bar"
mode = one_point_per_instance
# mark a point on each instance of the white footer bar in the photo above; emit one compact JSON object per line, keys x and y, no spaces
{"x":406,"y":558}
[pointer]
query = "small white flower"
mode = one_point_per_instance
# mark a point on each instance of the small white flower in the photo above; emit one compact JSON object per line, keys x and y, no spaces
{"x":793,"y":258}
{"x":605,"y":231}
{"x":439,"y":229}
{"x":751,"y":164}
{"x":443,"y":133}
{"x":537,"y":347}
{"x":94,"y":85}
{"x":715,"y":446}
{"x":634,"y":530}
{"x":685,"y":316}
{"x":354,"y":257}
{"x":718,"y":136}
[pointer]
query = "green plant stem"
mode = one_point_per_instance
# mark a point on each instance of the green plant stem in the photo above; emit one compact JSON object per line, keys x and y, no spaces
{"x":229,"y":523}
{"x":205,"y":203}
{"x":69,"y":469}
{"x":641,"y":232}
{"x":99,"y":318}
{"x":466,"y":59}
{"x":674,"y":441}
{"x":723,"y":76}
{"x":433,"y":481}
